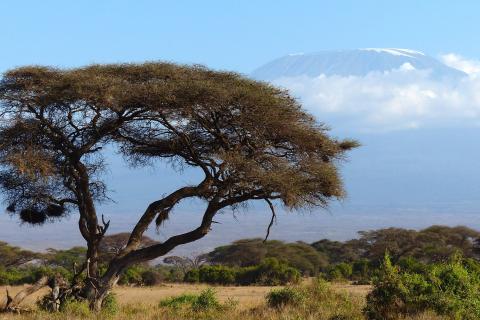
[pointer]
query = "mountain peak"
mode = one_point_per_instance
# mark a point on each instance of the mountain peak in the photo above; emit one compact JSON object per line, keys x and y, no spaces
{"x":397,"y":51}
{"x":357,"y":62}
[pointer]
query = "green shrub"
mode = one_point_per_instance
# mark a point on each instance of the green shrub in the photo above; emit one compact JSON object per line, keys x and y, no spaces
{"x":449,"y":289}
{"x":410,"y":264}
{"x":151,"y":277}
{"x":361,"y":270}
{"x":272,"y":272}
{"x":192,"y":276}
{"x":217,"y":275}
{"x":27,"y":275}
{"x":339,"y":272}
{"x":455,"y":291}
{"x":178,"y":301}
{"x":132,"y":276}
{"x":315,"y":300}
{"x":110,"y":305}
{"x":288,"y":296}
{"x":390,"y":296}
{"x":175,"y":275}
{"x":207,"y":300}
{"x":268,"y":272}
{"x":10,"y":276}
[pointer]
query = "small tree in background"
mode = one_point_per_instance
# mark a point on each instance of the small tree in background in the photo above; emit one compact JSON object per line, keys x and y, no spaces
{"x":252,"y":141}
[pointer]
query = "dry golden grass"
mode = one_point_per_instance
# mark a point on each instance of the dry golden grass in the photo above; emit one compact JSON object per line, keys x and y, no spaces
{"x":247,"y":296}
{"x":143,"y":303}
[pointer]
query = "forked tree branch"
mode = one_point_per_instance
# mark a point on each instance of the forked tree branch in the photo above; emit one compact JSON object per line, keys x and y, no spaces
{"x":161,"y":206}
{"x":149,"y":253}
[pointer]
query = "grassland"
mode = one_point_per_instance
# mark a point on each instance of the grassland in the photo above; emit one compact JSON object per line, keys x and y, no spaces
{"x":247,"y":296}
{"x":339,"y":302}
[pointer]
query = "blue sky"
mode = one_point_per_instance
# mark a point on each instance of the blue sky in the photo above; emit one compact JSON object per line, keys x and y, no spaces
{"x":398,"y":172}
{"x":236,"y":35}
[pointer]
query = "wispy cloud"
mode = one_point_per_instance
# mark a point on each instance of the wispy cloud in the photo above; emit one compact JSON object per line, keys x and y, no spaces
{"x":458,"y":62}
{"x":400,"y":99}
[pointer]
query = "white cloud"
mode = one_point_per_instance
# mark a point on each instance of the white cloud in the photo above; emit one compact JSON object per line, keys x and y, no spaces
{"x":399,"y":99}
{"x":458,"y":62}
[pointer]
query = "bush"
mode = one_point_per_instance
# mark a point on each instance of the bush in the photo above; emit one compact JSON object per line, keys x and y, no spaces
{"x":411,"y":265}
{"x":361,"y":270}
{"x":151,"y":277}
{"x":285,"y":297}
{"x":339,"y":272}
{"x":132,"y":276}
{"x":251,"y":252}
{"x":314,"y":301}
{"x":28,"y":275}
{"x":269,"y":272}
{"x":455,"y":291}
{"x":110,"y":305}
{"x":11,"y":276}
{"x":178,"y":301}
{"x":217,"y":275}
{"x":192,"y":276}
{"x":205,"y":301}
{"x":272,"y":272}
{"x":448,"y":289}
{"x":396,"y":294}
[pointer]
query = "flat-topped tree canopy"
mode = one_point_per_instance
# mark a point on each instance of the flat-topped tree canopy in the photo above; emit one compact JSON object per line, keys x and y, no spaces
{"x":252,"y":141}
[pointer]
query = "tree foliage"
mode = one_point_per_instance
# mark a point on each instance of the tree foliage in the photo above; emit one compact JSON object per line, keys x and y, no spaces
{"x":11,"y":256}
{"x":252,"y":141}
{"x":432,"y":244}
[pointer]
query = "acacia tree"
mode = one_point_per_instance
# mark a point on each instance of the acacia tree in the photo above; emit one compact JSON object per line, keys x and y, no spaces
{"x":252,"y":141}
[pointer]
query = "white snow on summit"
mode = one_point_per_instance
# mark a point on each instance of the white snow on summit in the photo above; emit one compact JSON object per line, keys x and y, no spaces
{"x":396,"y":51}
{"x":359,"y":62}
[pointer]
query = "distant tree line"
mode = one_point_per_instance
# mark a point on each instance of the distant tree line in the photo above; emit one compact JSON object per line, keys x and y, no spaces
{"x":255,"y":261}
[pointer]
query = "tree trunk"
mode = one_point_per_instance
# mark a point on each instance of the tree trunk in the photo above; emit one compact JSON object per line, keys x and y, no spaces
{"x":93,"y":290}
{"x":92,"y":259}
{"x":12,"y":304}
{"x":105,"y":286}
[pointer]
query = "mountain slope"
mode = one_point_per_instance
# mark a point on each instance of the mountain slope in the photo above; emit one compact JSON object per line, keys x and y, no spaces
{"x":427,"y":168}
{"x":357,"y":62}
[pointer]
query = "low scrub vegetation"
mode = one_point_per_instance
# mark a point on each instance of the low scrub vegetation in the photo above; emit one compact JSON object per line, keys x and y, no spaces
{"x":450,"y":289}
{"x":269,"y":272}
{"x":253,"y":261}
{"x":205,"y":301}
{"x":424,"y":280}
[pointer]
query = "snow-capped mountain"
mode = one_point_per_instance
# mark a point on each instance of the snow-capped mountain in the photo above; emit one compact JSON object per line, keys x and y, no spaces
{"x":417,"y":119}
{"x":357,"y":62}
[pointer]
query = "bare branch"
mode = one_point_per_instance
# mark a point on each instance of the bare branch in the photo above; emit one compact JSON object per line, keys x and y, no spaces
{"x":13,"y":303}
{"x":272,"y":220}
{"x":103,"y":229}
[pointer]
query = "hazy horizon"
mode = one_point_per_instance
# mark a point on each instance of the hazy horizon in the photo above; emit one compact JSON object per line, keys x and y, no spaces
{"x":407,"y":90}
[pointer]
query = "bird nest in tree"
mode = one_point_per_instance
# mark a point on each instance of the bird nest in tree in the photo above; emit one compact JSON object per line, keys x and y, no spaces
{"x":54,"y":211}
{"x":33,"y":216}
